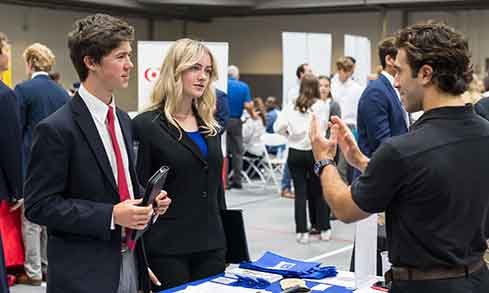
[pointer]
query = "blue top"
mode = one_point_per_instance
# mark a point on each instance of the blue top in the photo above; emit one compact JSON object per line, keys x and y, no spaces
{"x":271,"y":118}
{"x":199,"y":140}
{"x":238,"y":94}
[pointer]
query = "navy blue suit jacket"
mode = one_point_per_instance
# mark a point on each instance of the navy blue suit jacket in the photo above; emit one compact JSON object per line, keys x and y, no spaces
{"x":38,"y":98}
{"x":380,"y":115}
{"x":222,"y":110}
{"x":11,"y":145}
{"x":70,"y":189}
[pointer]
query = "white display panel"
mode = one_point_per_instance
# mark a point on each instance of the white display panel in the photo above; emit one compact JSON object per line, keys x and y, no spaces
{"x":298,"y":48}
{"x":359,"y":48}
{"x":151,"y":55}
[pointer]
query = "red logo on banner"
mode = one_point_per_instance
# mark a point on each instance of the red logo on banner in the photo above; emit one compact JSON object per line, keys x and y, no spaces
{"x":151,"y":74}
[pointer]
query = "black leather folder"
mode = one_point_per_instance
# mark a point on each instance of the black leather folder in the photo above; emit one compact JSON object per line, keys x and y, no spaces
{"x":237,"y":245}
{"x":153,"y":188}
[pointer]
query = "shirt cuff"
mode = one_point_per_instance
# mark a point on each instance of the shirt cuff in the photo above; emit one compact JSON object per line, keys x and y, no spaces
{"x":112,"y":224}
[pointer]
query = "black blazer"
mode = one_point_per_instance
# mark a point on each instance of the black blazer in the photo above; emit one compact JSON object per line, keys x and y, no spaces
{"x":70,"y":189}
{"x":11,"y":144}
{"x":192,"y":222}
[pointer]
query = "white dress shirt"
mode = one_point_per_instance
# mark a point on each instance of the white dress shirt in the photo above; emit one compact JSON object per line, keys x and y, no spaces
{"x":99,"y":110}
{"x":295,"y":125}
{"x":39,"y":73}
{"x":347,"y":94}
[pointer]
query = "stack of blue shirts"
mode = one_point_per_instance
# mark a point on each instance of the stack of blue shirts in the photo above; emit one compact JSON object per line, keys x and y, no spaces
{"x":290,"y":268}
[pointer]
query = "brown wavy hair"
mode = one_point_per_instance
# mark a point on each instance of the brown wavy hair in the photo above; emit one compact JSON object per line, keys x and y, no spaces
{"x":260,"y":109}
{"x":441,"y":47}
{"x":308,"y":93}
{"x":96,"y":36}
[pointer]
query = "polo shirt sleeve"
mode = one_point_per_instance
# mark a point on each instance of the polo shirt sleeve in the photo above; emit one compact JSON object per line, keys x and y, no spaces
{"x":247,"y":94}
{"x":374,"y":190}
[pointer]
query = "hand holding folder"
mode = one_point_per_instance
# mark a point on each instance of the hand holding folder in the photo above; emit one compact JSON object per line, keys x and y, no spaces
{"x":153,"y":188}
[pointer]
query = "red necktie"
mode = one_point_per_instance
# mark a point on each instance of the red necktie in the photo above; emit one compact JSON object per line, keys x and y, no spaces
{"x":121,"y":175}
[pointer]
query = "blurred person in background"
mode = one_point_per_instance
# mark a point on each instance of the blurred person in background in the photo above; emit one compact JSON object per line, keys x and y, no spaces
{"x":294,"y":124}
{"x":39,"y":97}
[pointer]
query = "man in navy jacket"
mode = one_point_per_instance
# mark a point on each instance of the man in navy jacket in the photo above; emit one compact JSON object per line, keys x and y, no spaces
{"x":38,"y":97}
{"x":380,"y":112}
{"x":81,"y":181}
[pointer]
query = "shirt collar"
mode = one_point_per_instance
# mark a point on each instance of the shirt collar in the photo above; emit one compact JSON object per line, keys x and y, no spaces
{"x":97,"y":108}
{"x":444,"y":113}
{"x":39,"y":73}
{"x":389,"y":77}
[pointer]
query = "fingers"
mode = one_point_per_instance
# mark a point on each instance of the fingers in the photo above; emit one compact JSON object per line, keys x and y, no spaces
{"x":342,"y":126}
{"x":161,"y":195}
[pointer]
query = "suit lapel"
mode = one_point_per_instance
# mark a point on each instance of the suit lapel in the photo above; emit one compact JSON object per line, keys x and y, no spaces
{"x":394,"y":96}
{"x":186,"y":141}
{"x":85,"y":121}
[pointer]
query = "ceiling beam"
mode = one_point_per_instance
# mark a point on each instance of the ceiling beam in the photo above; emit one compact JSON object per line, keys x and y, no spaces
{"x":228,"y":3}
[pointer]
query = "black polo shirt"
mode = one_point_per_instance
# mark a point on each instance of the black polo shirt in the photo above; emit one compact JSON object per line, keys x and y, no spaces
{"x":433,"y":184}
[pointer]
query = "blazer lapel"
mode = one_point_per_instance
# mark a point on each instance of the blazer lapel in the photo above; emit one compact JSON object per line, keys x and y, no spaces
{"x":185,"y":139}
{"x":393,"y":94}
{"x":84,"y":120}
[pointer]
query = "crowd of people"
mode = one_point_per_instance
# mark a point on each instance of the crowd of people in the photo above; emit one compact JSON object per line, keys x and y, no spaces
{"x":71,"y":183}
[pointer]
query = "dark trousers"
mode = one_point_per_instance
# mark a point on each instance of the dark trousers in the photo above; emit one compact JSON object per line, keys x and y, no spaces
{"x":234,"y":144}
{"x":307,"y":187}
{"x":175,"y":270}
{"x":477,"y":282}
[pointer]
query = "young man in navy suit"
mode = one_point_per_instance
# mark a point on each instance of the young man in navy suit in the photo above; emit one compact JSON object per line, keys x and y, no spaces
{"x":10,"y":152}
{"x":380,"y":112}
{"x":81,"y":182}
{"x":38,"y":98}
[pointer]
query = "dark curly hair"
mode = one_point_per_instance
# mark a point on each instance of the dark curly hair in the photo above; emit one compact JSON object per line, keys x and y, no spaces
{"x":96,"y":36}
{"x":441,"y":47}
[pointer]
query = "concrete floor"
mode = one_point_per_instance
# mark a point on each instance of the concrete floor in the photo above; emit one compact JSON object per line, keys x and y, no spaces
{"x":269,"y":222}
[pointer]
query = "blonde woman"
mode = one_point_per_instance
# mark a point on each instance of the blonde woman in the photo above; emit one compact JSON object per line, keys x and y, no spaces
{"x":179,"y":131}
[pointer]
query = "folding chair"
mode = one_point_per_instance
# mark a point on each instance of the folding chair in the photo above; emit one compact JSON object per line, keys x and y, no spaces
{"x":273,"y":164}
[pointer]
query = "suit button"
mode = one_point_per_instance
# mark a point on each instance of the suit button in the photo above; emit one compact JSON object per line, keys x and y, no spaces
{"x":204,"y":194}
{"x":206,"y":168}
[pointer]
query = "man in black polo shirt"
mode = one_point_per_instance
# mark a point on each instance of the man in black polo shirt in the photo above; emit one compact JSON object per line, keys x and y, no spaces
{"x":430,"y":181}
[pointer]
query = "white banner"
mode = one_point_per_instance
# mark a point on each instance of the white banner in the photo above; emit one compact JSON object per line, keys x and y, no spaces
{"x":150,"y":58}
{"x":299,"y":48}
{"x":360,"y":49}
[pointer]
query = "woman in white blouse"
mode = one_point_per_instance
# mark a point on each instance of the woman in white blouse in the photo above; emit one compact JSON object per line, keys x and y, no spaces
{"x":294,"y":123}
{"x":254,"y":128}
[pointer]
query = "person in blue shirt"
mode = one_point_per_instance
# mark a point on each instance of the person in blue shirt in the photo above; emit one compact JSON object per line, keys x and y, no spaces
{"x":272,"y":112}
{"x":239,"y":99}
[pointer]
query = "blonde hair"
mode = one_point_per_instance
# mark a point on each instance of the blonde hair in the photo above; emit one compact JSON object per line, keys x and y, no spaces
{"x":344,"y":63}
{"x":39,"y":57}
{"x":168,"y":90}
{"x":474,"y":93}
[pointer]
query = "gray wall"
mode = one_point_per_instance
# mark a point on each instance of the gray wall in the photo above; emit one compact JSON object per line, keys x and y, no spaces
{"x":255,"y":42}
